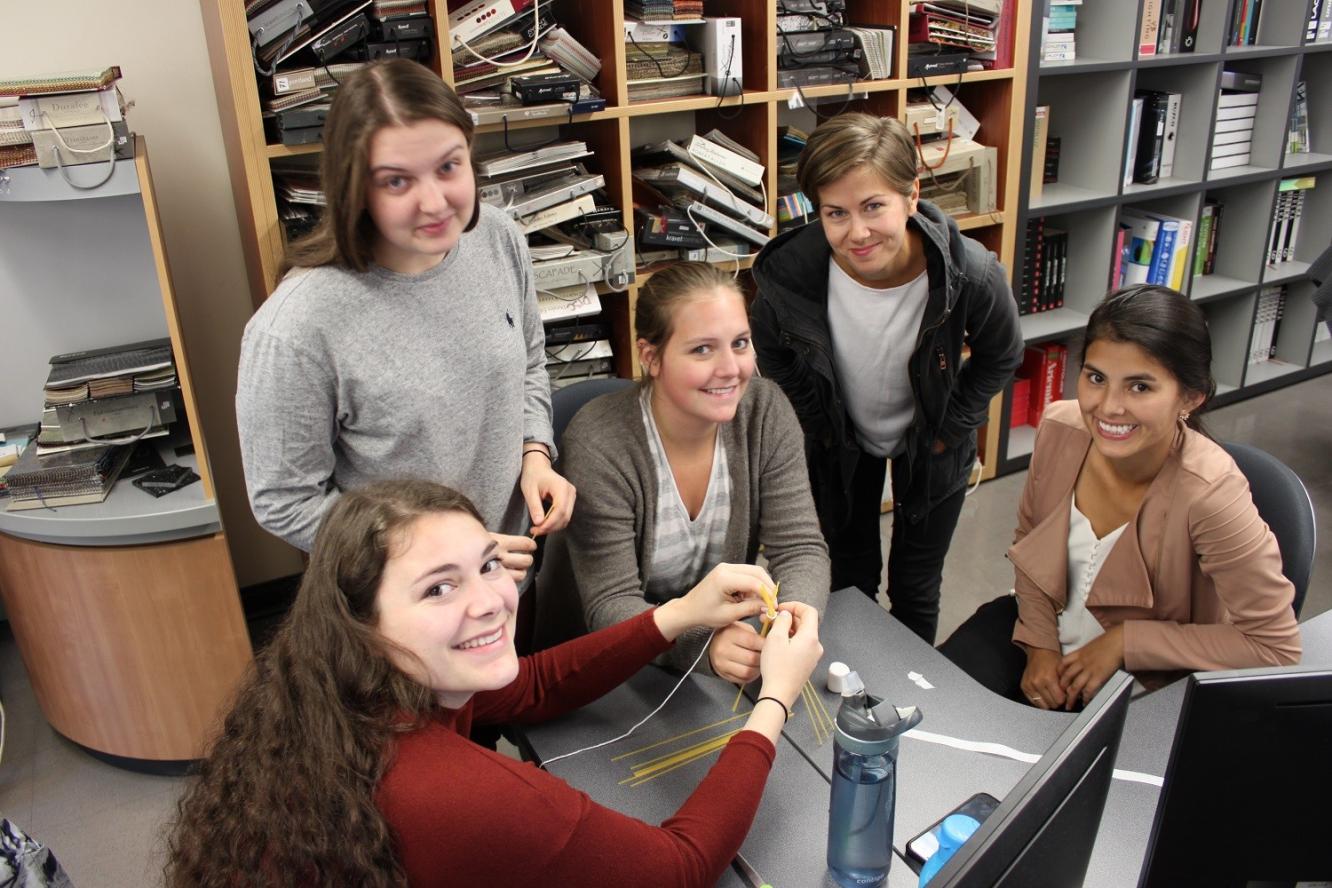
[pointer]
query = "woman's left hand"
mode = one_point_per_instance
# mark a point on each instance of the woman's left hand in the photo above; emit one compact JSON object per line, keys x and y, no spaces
{"x":1082,"y":672}
{"x":539,"y":482}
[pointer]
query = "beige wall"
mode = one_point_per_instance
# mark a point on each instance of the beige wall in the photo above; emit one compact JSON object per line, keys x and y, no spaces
{"x":160,"y":46}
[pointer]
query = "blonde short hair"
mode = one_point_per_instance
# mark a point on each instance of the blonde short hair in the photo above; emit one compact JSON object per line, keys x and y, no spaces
{"x":849,"y":141}
{"x":654,"y":313}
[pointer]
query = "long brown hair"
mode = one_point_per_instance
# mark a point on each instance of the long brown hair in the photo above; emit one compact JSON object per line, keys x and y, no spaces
{"x":395,"y":92}
{"x":286,"y":795}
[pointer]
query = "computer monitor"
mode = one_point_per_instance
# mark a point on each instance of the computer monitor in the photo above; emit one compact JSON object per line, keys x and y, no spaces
{"x":1043,"y":831}
{"x":1249,"y":781}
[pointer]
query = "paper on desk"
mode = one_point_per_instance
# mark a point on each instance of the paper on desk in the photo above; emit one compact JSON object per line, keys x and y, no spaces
{"x":1008,"y":752}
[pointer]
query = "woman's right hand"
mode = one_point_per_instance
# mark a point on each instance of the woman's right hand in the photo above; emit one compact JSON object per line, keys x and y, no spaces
{"x":729,"y":593}
{"x":790,"y":652}
{"x":1040,"y":680}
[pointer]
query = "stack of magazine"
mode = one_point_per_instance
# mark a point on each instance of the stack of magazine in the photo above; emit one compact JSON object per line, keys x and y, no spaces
{"x":661,"y":70}
{"x":700,"y":199}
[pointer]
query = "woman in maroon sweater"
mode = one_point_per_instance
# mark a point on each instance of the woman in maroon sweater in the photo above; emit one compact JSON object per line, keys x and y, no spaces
{"x":345,"y":760}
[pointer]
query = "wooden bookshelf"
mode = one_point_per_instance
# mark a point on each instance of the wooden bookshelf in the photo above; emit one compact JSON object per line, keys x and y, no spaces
{"x":997,"y":97}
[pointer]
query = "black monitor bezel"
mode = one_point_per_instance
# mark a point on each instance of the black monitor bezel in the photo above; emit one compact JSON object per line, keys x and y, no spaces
{"x":1085,"y":744}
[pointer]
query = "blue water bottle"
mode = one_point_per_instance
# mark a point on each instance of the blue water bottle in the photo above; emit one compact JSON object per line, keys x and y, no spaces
{"x":864,"y":786}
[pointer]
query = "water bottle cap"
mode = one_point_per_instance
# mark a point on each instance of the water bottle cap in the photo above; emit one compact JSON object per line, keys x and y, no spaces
{"x":869,"y":726}
{"x":957,"y":828}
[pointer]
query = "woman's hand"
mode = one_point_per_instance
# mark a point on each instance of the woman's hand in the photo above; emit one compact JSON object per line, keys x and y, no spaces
{"x":728,"y":594}
{"x":540,"y":482}
{"x":515,"y":554}
{"x":734,"y":653}
{"x":1040,"y":680}
{"x":1082,"y":672}
{"x":790,"y":652}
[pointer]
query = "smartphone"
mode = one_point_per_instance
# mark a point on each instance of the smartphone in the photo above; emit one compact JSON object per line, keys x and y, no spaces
{"x":922,"y":847}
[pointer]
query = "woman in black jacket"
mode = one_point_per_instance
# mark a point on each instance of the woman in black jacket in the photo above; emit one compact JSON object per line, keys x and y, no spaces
{"x":861,"y":320}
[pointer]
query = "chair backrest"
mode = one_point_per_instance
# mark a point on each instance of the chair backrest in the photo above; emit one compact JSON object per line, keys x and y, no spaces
{"x":1284,"y":504}
{"x":567,"y":401}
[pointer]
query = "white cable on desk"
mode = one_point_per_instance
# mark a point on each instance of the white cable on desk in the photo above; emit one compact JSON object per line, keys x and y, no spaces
{"x":566,"y":755}
{"x":1009,"y":752}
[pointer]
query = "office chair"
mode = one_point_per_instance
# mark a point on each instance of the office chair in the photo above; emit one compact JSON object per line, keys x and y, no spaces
{"x":555,"y":613}
{"x":1283,"y":502}
{"x":567,"y":401}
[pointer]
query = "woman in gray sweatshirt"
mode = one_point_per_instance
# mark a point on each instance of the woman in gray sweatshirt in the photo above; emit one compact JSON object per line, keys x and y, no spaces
{"x":405,"y":341}
{"x":700,"y":465}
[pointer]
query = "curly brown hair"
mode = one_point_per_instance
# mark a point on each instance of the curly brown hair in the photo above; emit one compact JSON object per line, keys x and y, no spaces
{"x":286,"y":794}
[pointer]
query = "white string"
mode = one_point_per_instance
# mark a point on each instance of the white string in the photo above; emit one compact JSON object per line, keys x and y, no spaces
{"x":547,"y":762}
{"x":1008,"y":752}
{"x":537,"y":34}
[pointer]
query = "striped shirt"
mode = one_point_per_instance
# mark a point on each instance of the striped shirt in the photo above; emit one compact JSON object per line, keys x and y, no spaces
{"x":685,"y":549}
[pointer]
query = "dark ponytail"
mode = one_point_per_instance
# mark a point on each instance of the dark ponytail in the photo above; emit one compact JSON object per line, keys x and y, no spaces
{"x":1166,"y":325}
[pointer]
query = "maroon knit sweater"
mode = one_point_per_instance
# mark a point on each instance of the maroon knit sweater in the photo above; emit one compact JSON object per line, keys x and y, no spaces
{"x":463,"y":815}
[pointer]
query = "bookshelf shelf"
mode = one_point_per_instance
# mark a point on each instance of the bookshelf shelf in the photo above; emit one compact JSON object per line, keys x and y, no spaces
{"x":109,"y":601}
{"x":127,"y":517}
{"x":1266,"y":371}
{"x":1207,"y":287}
{"x":996,"y":97}
{"x":1090,"y":104}
{"x":1079,"y":66}
{"x":1021,"y":441}
{"x":1169,"y":60}
{"x":1169,"y":187}
{"x":1051,"y":324}
{"x":30,"y":183}
{"x":1060,"y":197}
{"x":1285,"y":271}
{"x":1303,"y":164}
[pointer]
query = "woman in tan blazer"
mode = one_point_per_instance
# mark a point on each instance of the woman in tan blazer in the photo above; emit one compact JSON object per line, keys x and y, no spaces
{"x":1138,"y":545}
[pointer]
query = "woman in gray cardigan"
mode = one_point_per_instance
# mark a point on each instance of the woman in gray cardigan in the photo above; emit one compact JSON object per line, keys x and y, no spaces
{"x":698,"y":467}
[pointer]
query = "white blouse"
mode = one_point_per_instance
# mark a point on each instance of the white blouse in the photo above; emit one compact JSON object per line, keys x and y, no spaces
{"x":1086,"y":554}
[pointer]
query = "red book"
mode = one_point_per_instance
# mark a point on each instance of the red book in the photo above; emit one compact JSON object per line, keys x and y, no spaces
{"x":1043,"y":365}
{"x":1117,"y":259}
{"x":1021,"y":402}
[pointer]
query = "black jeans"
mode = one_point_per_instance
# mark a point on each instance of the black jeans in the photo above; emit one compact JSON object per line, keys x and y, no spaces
{"x":983,"y":648}
{"x":916,"y":552}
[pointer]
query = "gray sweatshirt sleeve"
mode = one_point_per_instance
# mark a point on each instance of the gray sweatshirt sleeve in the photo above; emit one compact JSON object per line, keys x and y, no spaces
{"x":536,"y":386}
{"x":286,"y":416}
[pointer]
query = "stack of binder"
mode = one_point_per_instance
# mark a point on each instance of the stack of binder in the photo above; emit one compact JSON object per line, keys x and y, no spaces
{"x":1236,"y":110}
{"x":526,"y":43}
{"x":576,"y":238}
{"x":64,"y":479}
{"x":703,"y":197}
{"x":304,"y":48}
{"x":63,"y":119}
{"x":111,"y":395}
